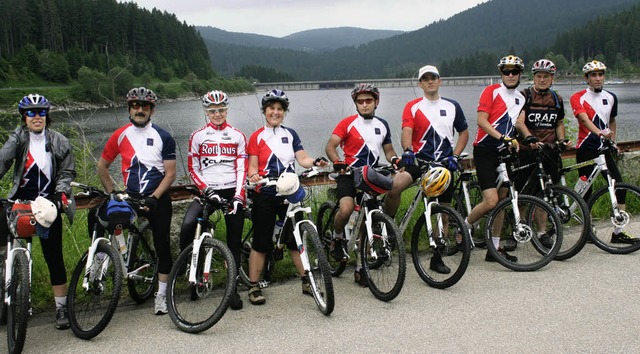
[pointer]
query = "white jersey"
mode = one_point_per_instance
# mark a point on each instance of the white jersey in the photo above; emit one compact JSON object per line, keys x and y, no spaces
{"x":218,"y":158}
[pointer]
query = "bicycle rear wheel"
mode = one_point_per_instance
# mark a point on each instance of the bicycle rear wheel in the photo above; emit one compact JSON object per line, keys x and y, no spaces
{"x":3,"y":306}
{"x":141,"y":285}
{"x":384,"y":260}
{"x":197,"y":307}
{"x":319,"y":274}
{"x":604,"y":223}
{"x":574,"y":216}
{"x":537,"y":217}
{"x":91,"y":310}
{"x":452,"y":248}
{"x":324,"y":222}
{"x":18,"y":310}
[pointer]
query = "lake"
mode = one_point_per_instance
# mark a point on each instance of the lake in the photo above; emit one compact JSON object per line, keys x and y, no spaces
{"x":314,"y":114}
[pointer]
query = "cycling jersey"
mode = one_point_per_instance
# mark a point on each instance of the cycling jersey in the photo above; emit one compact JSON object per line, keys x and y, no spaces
{"x":361,"y":139}
{"x":543,"y":113}
{"x":217,"y":158}
{"x":503,"y":106}
{"x":143,"y":152}
{"x":433,"y":124}
{"x":37,"y":175}
{"x":601,"y":108}
{"x":276,"y":150}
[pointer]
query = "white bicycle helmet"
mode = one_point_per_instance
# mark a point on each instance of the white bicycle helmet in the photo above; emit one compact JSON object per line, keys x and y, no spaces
{"x":511,"y":60}
{"x":435,"y":181}
{"x":544,"y":65}
{"x":215,"y":97}
{"x":287,"y":184}
{"x":592,"y":66}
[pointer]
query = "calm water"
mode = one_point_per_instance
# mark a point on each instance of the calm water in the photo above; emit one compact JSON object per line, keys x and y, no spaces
{"x":314,"y":114}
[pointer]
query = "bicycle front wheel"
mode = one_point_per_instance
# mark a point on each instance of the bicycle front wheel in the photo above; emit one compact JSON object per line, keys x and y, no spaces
{"x":196,"y":307}
{"x":573,"y":213}
{"x":441,"y":258}
{"x":538,"y":235}
{"x":319,"y":274}
{"x":607,"y":228}
{"x":18,"y":310}
{"x":91,"y":309}
{"x":143,"y":258}
{"x":326,"y":215}
{"x":383,"y":258}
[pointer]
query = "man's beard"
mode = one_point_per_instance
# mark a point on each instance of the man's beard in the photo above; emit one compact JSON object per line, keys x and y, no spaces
{"x":514,"y":86}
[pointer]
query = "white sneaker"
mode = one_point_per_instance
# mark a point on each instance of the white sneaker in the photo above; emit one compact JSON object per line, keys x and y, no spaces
{"x":161,"y":304}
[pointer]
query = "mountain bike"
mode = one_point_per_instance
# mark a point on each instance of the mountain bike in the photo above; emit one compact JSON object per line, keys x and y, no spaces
{"x":467,"y":194}
{"x":525,"y":218}
{"x":203,"y":278}
{"x":569,"y":205}
{"x":97,"y":280}
{"x":605,"y":204}
{"x":16,"y":283}
{"x":374,"y":237}
{"x":440,"y":233}
{"x":298,"y":225}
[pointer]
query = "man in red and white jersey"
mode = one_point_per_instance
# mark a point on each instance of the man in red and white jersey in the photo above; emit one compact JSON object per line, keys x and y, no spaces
{"x":149,"y":168}
{"x":498,"y":110}
{"x":428,"y":126}
{"x":596,"y":110}
{"x":363,"y":137}
{"x":218,"y":166}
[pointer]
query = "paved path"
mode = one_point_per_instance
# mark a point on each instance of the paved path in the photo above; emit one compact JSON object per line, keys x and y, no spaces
{"x":586,"y":304}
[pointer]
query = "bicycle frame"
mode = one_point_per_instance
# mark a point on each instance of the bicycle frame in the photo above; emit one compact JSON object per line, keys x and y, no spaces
{"x":600,"y":163}
{"x":366,"y":216}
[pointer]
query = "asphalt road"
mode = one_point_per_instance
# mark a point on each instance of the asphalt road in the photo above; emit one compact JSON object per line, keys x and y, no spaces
{"x":585,"y":304}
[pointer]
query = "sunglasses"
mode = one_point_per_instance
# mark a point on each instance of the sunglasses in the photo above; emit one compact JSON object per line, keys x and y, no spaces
{"x":513,"y":72}
{"x":365,"y":100}
{"x":217,"y":110}
{"x":137,"y":104}
{"x":41,"y":113}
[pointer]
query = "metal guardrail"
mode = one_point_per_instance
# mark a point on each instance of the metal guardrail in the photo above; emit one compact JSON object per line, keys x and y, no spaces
{"x":180,"y":192}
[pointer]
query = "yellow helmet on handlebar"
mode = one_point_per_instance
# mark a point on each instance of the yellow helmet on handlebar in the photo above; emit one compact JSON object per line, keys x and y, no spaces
{"x":435,"y":181}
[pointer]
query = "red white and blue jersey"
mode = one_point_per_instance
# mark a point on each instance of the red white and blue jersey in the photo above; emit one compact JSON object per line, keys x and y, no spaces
{"x":504,"y":106}
{"x":143,"y":152}
{"x":601,"y":108}
{"x":218,"y":158}
{"x":276,"y":150}
{"x":361,"y":139}
{"x":433,"y":124}
{"x":38,"y":171}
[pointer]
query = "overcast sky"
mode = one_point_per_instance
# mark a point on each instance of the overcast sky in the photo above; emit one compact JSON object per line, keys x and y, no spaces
{"x":279,"y":18}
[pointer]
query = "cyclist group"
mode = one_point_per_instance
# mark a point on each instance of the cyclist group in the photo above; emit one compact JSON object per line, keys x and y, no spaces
{"x":221,"y":161}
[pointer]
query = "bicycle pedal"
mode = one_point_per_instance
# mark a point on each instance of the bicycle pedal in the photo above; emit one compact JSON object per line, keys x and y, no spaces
{"x":263,"y":284}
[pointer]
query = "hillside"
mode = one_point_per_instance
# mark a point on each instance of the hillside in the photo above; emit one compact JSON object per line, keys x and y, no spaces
{"x":492,"y":27}
{"x":315,"y":40}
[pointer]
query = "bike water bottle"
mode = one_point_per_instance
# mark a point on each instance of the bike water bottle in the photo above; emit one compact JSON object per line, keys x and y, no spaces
{"x":354,"y":217}
{"x":581,"y":184}
{"x":278,"y":252}
{"x":122,"y":244}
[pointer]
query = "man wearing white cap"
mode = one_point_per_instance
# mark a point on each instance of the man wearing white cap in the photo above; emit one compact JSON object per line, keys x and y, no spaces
{"x":428,"y":126}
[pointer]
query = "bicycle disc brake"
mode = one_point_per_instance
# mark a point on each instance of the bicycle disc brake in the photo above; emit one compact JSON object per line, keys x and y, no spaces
{"x":523,"y":233}
{"x":623,"y":221}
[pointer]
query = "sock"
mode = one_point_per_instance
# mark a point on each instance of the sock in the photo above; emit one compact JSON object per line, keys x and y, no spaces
{"x":358,"y":268}
{"x":496,"y":241}
{"x":617,"y":230}
{"x":162,"y":287}
{"x":61,"y":301}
